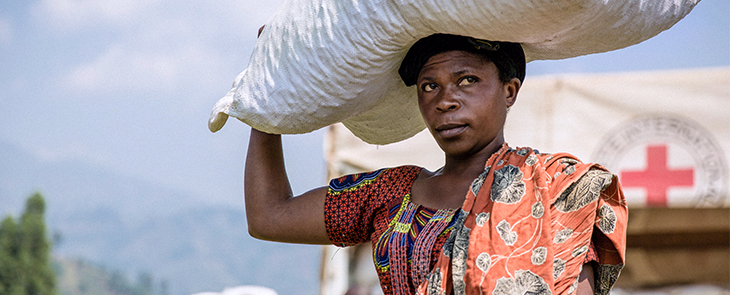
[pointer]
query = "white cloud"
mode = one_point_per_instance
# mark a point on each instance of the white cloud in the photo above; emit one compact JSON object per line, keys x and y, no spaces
{"x":162,"y":47}
{"x":6,"y":31}
{"x":73,"y":14}
{"x":128,"y":69}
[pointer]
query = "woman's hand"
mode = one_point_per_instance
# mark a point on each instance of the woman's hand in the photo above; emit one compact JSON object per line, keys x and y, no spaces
{"x":271,"y":210}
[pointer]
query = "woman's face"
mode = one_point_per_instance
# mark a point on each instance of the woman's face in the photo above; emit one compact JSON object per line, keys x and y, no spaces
{"x":463,"y":102}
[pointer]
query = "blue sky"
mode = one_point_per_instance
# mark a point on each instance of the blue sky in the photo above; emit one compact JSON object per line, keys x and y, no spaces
{"x":128,"y":85}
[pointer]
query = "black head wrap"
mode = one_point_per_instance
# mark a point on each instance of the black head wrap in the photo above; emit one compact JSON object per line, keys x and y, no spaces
{"x":507,"y":57}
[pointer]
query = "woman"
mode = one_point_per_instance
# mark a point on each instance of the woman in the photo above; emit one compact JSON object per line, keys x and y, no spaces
{"x":492,"y":220}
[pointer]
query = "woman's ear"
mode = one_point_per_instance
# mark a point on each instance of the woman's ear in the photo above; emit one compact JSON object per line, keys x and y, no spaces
{"x":511,"y":88}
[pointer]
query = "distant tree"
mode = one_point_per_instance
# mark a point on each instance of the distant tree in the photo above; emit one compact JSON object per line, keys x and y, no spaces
{"x":164,"y":288}
{"x":25,"y":264}
{"x":12,"y":278}
{"x":144,"y":284}
{"x":41,"y":278}
{"x":119,"y":284}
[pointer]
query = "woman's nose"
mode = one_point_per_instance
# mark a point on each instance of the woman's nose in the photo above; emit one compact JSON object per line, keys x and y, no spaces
{"x":447,"y":102}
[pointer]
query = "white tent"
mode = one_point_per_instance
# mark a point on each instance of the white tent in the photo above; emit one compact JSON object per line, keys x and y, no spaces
{"x":665,"y":134}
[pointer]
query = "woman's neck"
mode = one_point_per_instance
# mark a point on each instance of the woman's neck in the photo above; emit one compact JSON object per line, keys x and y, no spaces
{"x":470,"y":166}
{"x":447,"y":187}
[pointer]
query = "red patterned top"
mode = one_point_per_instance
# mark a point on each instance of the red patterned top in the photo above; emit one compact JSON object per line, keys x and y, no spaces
{"x":407,"y":238}
{"x":375,"y":207}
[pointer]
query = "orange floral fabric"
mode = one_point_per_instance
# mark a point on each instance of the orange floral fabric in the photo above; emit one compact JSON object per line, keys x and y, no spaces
{"x":527,"y":224}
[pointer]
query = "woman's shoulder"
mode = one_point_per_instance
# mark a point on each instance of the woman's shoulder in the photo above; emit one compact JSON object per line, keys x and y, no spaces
{"x":383,"y":176}
{"x":557,"y":160}
{"x":570,"y":179}
{"x":562,"y":167}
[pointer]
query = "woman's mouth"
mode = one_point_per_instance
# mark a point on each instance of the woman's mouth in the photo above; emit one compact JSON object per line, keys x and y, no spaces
{"x":450,"y":130}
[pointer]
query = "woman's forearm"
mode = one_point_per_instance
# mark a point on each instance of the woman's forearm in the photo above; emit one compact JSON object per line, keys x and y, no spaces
{"x":266,"y":185}
{"x":273,"y":213}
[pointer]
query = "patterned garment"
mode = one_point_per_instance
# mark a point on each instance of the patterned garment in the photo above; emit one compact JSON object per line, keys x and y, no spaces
{"x":375,"y":207}
{"x":527,"y":224}
{"x":407,"y":238}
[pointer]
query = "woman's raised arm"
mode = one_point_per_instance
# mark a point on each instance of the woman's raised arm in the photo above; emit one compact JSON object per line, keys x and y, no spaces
{"x":273,"y":213}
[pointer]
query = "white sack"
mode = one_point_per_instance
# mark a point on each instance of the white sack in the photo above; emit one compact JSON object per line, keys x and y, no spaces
{"x":319,"y":62}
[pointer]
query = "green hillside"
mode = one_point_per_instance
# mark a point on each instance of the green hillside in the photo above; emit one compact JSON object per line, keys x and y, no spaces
{"x":79,"y":277}
{"x":204,"y":249}
{"x":135,"y":227}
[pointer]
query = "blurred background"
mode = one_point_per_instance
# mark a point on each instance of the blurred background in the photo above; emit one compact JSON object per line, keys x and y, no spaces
{"x":104,"y":109}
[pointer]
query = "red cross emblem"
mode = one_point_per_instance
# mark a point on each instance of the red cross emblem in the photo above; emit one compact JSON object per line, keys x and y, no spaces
{"x":657,"y":178}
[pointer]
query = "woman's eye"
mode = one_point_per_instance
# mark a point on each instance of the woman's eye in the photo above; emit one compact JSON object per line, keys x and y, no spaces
{"x":428,"y":87}
{"x":467,"y":81}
